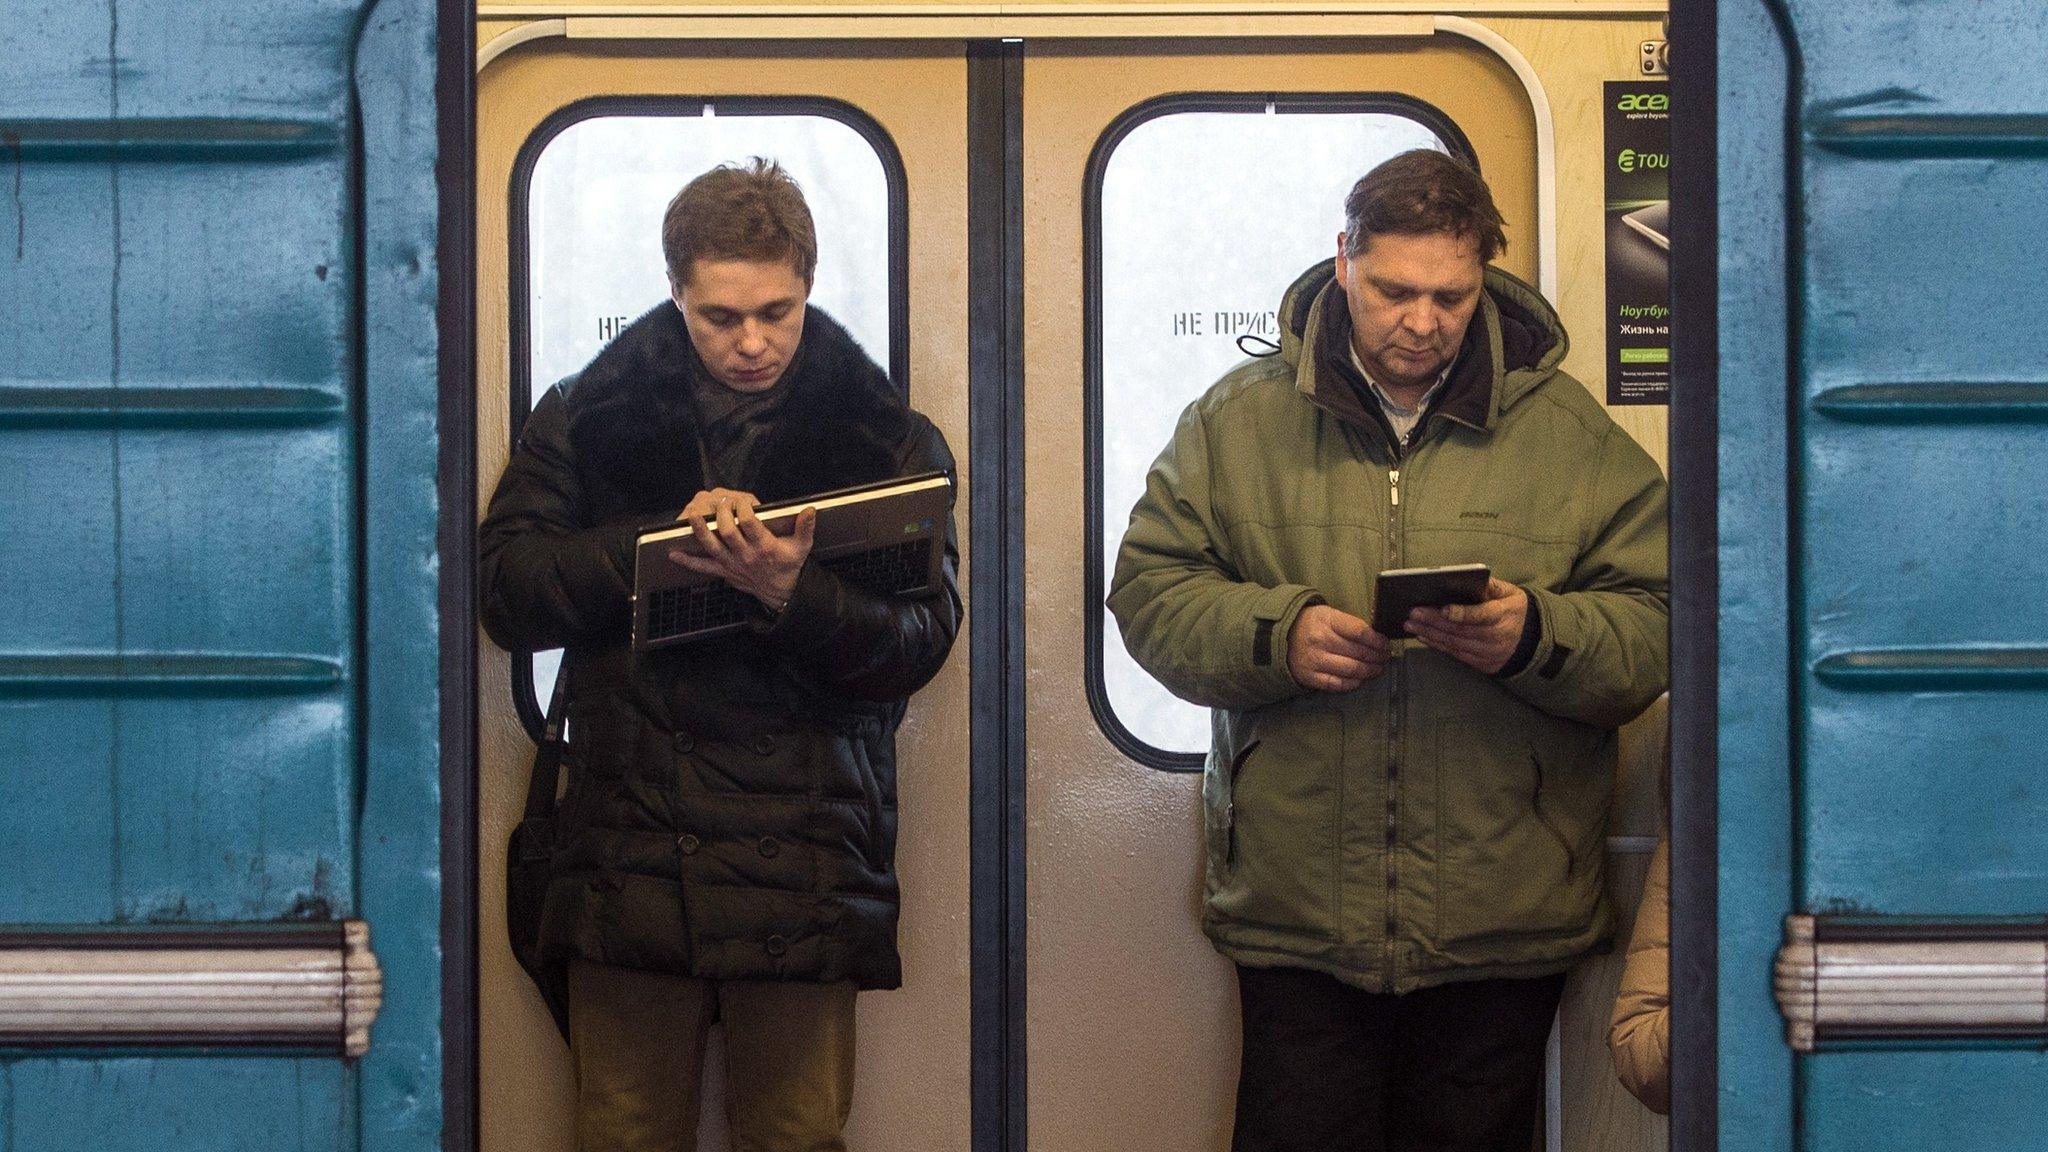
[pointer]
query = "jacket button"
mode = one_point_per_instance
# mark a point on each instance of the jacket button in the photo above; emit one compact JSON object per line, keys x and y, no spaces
{"x":769,"y":846}
{"x":687,"y":844}
{"x":685,"y":744}
{"x":764,"y":744}
{"x":776,"y":945}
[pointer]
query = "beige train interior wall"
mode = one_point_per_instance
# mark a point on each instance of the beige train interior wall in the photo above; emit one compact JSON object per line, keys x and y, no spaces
{"x":526,"y":1083}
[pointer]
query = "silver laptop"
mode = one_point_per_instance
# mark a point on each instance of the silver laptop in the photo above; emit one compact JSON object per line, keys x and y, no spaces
{"x":1653,"y":223}
{"x":888,"y":537}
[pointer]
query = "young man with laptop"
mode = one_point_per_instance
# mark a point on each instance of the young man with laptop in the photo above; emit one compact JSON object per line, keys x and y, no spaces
{"x":725,"y":850}
{"x":1405,"y":845}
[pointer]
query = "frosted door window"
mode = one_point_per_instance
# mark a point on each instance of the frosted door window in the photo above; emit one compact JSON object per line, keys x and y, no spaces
{"x":593,"y":226}
{"x":1206,"y":218}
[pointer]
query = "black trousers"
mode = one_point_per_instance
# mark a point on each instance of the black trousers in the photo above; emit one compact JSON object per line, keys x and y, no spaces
{"x":1332,"y":1068}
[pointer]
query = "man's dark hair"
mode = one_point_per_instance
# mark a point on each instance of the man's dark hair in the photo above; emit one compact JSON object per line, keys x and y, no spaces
{"x":734,"y":212}
{"x":1420,"y":192}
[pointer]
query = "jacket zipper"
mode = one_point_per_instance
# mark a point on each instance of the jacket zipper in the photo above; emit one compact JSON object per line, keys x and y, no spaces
{"x":1395,"y":709}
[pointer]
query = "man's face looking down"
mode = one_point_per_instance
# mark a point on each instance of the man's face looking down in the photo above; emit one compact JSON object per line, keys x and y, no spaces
{"x":1411,"y":295}
{"x":745,"y":318}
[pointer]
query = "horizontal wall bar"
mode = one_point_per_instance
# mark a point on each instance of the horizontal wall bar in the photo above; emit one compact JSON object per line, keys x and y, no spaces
{"x":261,"y":985}
{"x":57,"y":406}
{"x":166,"y":138}
{"x":1913,"y":981}
{"x":1930,"y":134}
{"x":163,"y":674}
{"x":1935,"y":403}
{"x":1980,"y":669}
{"x":210,"y":937}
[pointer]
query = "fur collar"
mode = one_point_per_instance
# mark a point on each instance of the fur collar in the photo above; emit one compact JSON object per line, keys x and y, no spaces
{"x":632,"y":425}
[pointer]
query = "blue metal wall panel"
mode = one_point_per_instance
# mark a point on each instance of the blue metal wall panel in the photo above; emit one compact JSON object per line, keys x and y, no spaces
{"x":218,"y":689}
{"x":179,"y":463}
{"x":400,"y":840}
{"x":1954,"y":1101}
{"x":1921,"y":506}
{"x":231,"y":271}
{"x":53,"y":792}
{"x":59,"y":539}
{"x":1755,"y":1102}
{"x":197,"y":59}
{"x":1912,"y":524}
{"x":212,"y":817}
{"x":141,"y":1105}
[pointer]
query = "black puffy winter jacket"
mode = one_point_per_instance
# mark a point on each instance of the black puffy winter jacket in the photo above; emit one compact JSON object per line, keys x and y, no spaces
{"x":731,"y":811}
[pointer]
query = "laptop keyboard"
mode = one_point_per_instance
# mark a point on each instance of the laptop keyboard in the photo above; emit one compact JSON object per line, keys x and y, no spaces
{"x":886,"y":571}
{"x":681,"y":611}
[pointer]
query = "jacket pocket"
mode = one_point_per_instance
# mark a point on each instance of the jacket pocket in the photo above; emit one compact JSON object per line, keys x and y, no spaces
{"x":1536,"y":806}
{"x":1511,"y":856}
{"x":1273,"y":836}
{"x":1237,"y":764}
{"x":1219,"y":798}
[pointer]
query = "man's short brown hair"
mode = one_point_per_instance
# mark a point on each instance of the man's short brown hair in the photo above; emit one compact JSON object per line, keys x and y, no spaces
{"x":1421,"y":192}
{"x":734,"y":212}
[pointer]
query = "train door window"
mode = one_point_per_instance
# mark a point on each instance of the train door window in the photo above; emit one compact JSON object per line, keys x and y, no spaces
{"x":1200,"y":211}
{"x":588,"y":195}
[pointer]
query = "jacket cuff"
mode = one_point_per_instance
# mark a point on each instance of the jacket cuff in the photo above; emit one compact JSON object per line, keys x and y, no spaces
{"x":1273,"y":617}
{"x":1525,"y":648}
{"x":1552,"y":653}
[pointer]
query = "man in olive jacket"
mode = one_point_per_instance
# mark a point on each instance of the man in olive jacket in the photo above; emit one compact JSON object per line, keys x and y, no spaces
{"x":726,"y":847}
{"x":1404,"y":842}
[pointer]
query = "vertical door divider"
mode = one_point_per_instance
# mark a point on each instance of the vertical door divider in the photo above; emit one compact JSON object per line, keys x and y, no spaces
{"x":995,"y":290}
{"x":1695,"y":582}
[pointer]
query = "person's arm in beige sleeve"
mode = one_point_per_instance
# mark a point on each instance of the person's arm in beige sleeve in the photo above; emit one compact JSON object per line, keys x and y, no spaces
{"x":1640,"y":1033}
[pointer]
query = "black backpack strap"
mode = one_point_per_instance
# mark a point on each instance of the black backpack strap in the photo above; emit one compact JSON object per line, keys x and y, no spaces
{"x":547,"y":756}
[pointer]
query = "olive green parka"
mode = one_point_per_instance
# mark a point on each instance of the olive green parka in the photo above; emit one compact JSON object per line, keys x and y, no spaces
{"x":1437,"y":823}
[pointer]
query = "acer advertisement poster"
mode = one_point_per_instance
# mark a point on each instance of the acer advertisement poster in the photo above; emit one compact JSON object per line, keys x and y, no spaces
{"x":1638,"y":158}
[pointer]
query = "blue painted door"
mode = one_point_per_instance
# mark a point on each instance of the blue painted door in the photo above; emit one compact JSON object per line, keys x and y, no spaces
{"x":1884,"y":168}
{"x":217,"y":575}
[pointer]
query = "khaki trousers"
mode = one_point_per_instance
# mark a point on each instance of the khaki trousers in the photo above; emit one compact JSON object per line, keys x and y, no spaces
{"x":637,"y":1042}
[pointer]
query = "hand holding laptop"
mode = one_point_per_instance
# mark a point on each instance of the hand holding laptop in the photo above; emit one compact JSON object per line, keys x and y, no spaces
{"x":885,"y":537}
{"x":729,"y":542}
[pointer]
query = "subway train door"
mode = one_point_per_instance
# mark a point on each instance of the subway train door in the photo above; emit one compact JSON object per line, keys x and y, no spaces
{"x":1209,"y":174}
{"x":219,"y":763}
{"x":581,"y":145}
{"x":1881,"y":644}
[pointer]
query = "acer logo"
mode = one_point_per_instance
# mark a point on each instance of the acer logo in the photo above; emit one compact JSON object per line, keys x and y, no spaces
{"x":1629,"y":160}
{"x":1644,"y":102}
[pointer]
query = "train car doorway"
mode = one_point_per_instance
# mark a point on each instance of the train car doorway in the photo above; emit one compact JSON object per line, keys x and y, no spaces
{"x":1126,"y":1020}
